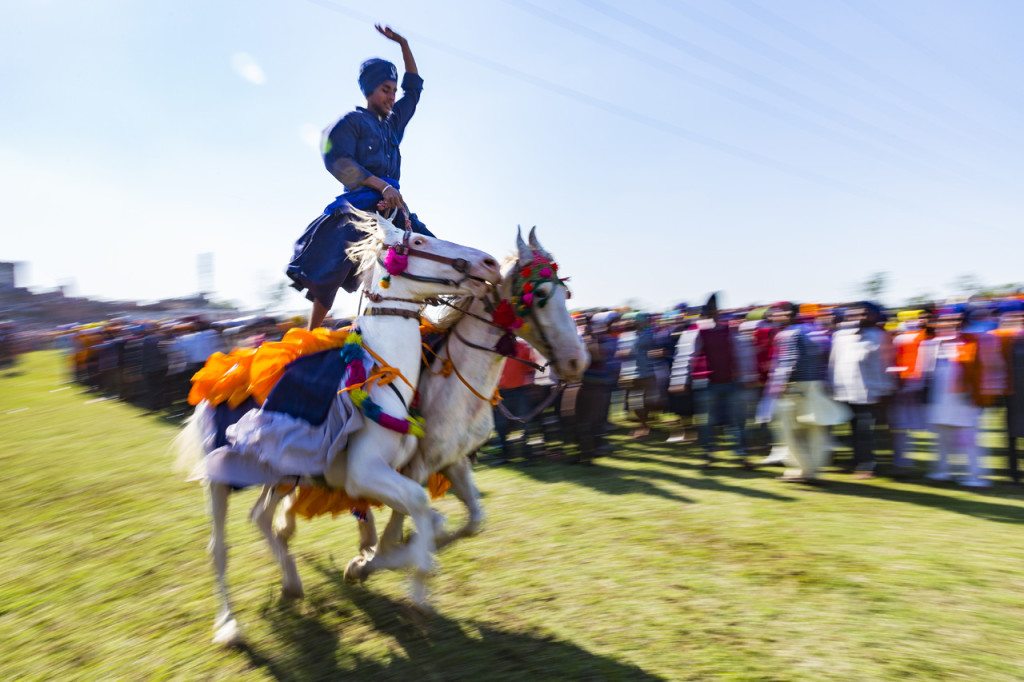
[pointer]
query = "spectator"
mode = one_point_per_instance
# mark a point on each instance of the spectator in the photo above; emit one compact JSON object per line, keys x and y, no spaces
{"x":795,"y":398}
{"x":595,"y":394}
{"x":644,"y":398}
{"x":515,"y":386}
{"x":722,"y":366}
{"x":907,"y":409}
{"x":1011,"y":334}
{"x":859,"y":369}
{"x":965,"y":372}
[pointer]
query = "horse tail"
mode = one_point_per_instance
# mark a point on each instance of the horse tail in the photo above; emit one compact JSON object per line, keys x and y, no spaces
{"x":194,"y":442}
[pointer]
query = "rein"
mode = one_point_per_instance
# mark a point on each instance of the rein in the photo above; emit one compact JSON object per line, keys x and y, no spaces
{"x":396,"y":264}
{"x":402,"y":252}
{"x":544,"y":404}
{"x":490,"y":323}
{"x":449,"y":366}
{"x":529,"y":363}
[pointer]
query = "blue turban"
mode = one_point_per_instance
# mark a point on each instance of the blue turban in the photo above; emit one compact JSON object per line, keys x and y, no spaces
{"x":375,"y":71}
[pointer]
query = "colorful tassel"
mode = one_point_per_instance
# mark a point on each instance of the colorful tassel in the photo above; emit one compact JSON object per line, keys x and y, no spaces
{"x":395,"y":262}
{"x":506,"y":345}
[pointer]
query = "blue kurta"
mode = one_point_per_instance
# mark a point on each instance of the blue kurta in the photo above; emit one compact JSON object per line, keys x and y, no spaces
{"x":358,"y":145}
{"x":361,"y":144}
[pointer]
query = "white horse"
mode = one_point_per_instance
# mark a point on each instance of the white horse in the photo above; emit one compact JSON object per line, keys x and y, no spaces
{"x":368,"y":467}
{"x":458,"y":416}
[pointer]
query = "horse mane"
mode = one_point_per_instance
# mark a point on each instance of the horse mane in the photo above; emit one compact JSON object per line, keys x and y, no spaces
{"x":365,"y":251}
{"x":450,"y":315}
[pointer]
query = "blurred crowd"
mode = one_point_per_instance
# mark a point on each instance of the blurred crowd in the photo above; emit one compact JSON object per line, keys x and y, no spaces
{"x":10,"y":344}
{"x":792,"y":385}
{"x":785,"y":384}
{"x":151,"y":364}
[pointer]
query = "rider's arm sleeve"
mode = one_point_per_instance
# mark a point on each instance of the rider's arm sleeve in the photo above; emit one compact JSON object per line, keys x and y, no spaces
{"x":339,"y":151}
{"x":412,"y":86}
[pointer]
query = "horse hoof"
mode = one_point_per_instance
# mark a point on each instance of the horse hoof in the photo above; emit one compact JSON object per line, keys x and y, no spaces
{"x":289,"y":593}
{"x":228,"y":634}
{"x":354,"y":572}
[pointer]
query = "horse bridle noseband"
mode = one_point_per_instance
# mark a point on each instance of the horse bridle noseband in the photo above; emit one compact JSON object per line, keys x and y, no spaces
{"x":459,"y":265}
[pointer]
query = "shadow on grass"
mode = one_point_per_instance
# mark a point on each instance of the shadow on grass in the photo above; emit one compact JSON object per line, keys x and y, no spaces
{"x":612,"y":480}
{"x":983,"y":509}
{"x":428,"y":647}
{"x":607,"y":480}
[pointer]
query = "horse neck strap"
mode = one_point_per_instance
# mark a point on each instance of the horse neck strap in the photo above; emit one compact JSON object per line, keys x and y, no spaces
{"x":529,"y":363}
{"x":396,"y":312}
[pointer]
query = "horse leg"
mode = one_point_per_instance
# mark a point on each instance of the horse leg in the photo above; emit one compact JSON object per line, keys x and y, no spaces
{"x":393,"y":531}
{"x":225,"y":628}
{"x":461,"y":475}
{"x":368,"y":535}
{"x":263,"y":516}
{"x":371,"y":477}
{"x":285,"y":526}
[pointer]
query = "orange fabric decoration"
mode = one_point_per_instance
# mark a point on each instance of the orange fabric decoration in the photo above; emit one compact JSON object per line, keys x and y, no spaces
{"x":246,"y":372}
{"x":233,"y":386}
{"x":438,"y":484}
{"x":313,"y":501}
{"x":203,"y":381}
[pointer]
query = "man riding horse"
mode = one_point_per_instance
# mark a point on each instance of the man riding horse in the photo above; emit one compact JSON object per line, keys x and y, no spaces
{"x":361,"y":151}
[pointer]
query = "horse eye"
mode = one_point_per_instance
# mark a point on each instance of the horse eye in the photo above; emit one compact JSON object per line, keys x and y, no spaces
{"x":418,"y":242}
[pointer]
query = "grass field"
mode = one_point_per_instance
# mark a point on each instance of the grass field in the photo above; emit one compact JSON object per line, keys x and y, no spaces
{"x":644,"y":567}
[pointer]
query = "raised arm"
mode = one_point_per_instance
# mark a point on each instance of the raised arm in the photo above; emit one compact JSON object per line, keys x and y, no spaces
{"x":407,"y":58}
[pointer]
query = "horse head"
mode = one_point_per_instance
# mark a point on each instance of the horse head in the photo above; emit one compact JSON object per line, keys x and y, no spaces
{"x":398,"y":263}
{"x":539,"y":297}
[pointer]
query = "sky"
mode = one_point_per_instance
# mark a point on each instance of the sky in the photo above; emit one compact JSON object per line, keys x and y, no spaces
{"x":663,"y":148}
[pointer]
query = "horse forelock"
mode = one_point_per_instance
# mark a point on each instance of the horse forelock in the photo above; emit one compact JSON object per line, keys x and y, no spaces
{"x":364,"y":252}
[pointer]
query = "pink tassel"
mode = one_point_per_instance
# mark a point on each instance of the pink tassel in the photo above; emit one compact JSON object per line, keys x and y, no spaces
{"x":395,"y":263}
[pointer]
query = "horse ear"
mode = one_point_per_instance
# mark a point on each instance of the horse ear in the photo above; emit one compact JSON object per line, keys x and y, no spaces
{"x":391,"y":231}
{"x":525,"y":254}
{"x":535,"y":243}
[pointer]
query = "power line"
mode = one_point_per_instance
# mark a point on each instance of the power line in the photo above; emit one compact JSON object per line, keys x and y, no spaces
{"x":752,"y":77}
{"x":850,"y":62}
{"x":798,"y":121}
{"x":735,"y":151}
{"x":885,"y":21}
{"x":782,"y":57}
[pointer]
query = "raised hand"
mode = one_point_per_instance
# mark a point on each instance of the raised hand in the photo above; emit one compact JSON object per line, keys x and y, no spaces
{"x":390,"y":34}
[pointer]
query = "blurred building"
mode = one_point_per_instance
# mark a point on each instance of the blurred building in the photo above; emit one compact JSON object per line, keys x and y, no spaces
{"x":46,"y":309}
{"x":8,"y":275}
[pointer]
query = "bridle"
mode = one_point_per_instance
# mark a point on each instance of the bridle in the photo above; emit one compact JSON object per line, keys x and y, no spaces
{"x":459,"y":265}
{"x":401,"y":252}
{"x":491,"y":302}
